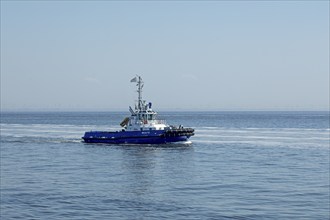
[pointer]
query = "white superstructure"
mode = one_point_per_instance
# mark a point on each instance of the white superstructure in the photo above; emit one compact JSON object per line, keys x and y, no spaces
{"x":142,"y":117}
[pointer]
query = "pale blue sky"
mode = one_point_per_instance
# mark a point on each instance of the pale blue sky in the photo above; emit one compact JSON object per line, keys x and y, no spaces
{"x":192,"y":55}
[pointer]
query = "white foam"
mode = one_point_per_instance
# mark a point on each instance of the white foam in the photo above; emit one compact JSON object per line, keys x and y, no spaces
{"x":293,"y":137}
{"x":260,"y":136}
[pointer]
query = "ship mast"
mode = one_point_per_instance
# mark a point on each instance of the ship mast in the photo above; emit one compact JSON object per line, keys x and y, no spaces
{"x":140,"y":86}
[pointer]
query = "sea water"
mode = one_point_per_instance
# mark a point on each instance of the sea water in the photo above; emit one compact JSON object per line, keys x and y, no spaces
{"x":240,"y":165}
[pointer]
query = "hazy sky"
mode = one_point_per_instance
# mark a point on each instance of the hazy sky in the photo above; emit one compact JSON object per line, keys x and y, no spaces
{"x":192,"y":55}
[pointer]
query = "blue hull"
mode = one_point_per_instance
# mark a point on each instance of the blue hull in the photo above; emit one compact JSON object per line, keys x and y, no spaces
{"x":132,"y":137}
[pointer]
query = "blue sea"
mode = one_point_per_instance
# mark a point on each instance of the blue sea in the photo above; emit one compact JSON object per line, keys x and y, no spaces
{"x":240,"y":165}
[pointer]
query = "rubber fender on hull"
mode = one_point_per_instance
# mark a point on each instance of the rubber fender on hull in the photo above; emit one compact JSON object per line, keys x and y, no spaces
{"x":179,"y":132}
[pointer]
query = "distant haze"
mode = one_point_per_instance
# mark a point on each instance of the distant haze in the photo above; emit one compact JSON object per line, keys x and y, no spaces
{"x":192,"y":55}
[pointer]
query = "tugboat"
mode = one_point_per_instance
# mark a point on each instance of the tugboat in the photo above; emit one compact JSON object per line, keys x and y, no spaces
{"x":142,"y":127}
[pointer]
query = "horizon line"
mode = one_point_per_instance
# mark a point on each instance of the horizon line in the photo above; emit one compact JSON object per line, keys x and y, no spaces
{"x":167,"y":110}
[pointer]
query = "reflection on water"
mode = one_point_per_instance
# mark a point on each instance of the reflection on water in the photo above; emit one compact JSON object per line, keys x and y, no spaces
{"x":147,"y":168}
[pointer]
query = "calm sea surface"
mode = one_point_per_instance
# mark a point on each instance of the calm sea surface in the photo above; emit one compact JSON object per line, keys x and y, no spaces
{"x":240,"y":165}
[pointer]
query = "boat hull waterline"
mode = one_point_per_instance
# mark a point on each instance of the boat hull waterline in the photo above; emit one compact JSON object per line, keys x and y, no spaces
{"x":139,"y":137}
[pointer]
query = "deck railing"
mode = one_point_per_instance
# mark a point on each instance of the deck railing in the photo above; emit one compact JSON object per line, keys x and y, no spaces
{"x":155,"y":121}
{"x":160,"y":121}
